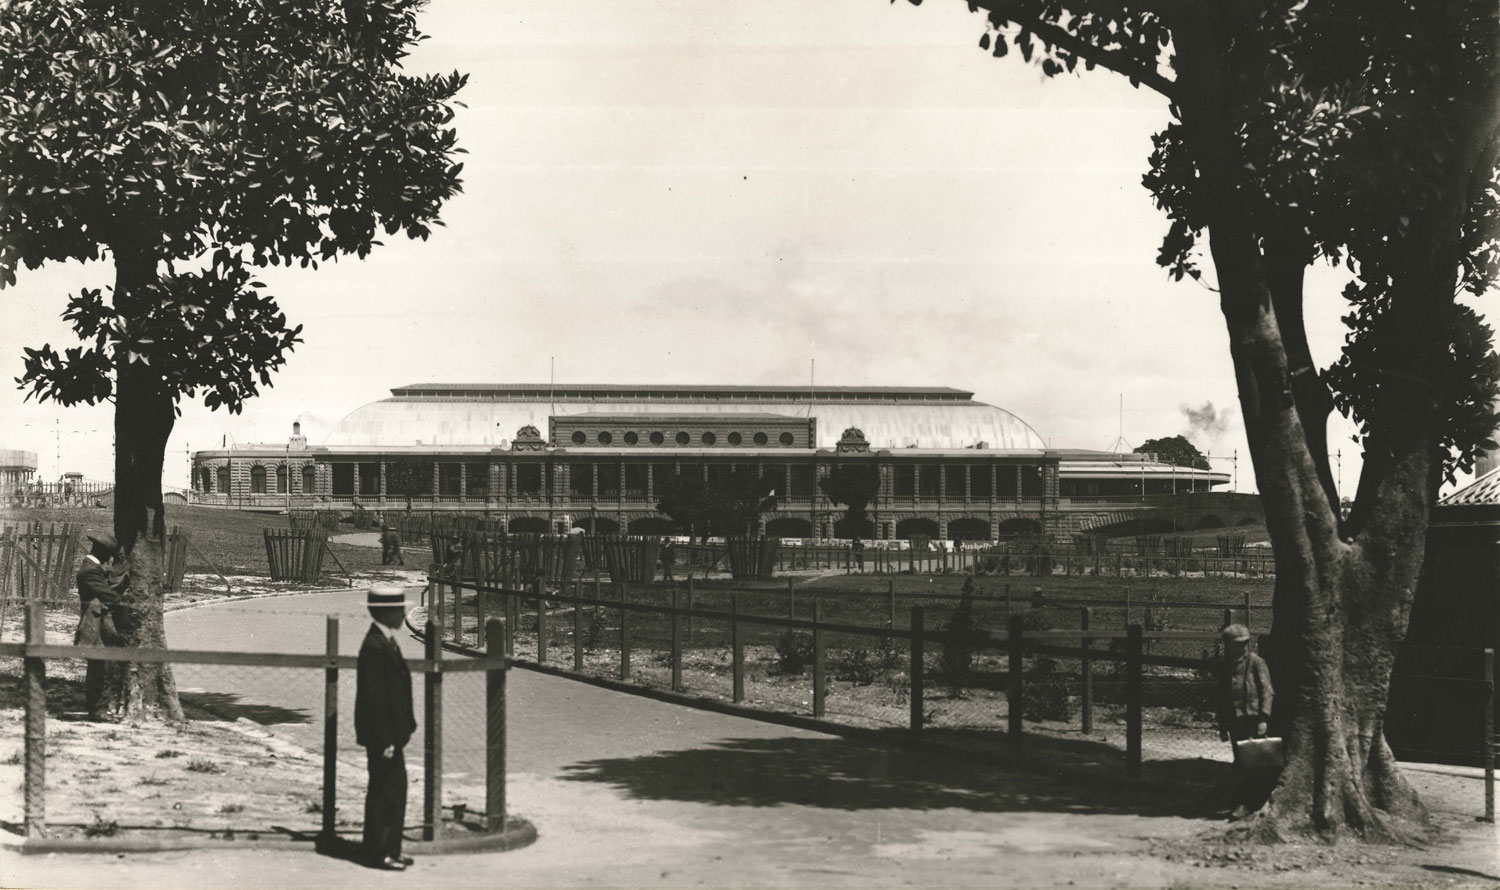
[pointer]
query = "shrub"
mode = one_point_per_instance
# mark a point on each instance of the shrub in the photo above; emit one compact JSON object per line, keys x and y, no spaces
{"x":958,"y":649}
{"x":167,"y":752}
{"x":1044,"y":692}
{"x":204,"y":766}
{"x":793,"y":653}
{"x":593,"y":636}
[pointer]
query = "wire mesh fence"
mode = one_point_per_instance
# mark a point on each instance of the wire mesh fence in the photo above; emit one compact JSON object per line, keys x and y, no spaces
{"x":267,"y":745}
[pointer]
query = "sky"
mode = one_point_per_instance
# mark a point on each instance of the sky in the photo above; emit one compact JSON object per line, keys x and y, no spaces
{"x":746,"y":192}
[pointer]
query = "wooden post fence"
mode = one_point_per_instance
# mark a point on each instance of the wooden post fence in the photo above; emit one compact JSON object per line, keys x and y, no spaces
{"x":330,"y":729}
{"x":918,"y":655}
{"x":1488,"y":751}
{"x":820,"y":686}
{"x":36,"y":724}
{"x":578,"y":625}
{"x":624,"y":635}
{"x":432,"y":731}
{"x":676,"y":643}
{"x":1016,"y":640}
{"x":1086,"y":669}
{"x":540,"y":589}
{"x":1133,"y":650}
{"x":494,"y":727}
{"x":737,"y":647}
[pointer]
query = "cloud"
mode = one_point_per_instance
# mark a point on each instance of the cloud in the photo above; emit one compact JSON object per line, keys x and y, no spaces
{"x":1207,"y":420}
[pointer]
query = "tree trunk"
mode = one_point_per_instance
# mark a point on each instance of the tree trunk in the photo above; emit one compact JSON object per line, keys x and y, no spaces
{"x":144,"y":416}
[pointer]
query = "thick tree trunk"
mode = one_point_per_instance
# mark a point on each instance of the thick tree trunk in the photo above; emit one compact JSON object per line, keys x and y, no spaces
{"x":144,"y":416}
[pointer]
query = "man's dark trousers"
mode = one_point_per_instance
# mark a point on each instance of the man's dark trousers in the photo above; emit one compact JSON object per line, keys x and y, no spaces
{"x":385,"y":804}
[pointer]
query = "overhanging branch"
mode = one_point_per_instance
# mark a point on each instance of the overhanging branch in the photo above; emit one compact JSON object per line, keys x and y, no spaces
{"x":1115,"y":60}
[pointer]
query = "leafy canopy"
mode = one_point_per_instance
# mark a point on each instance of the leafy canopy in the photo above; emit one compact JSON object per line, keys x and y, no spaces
{"x":730,"y":505}
{"x":1348,"y":124}
{"x":854,"y":485}
{"x":191,"y":141}
{"x":1175,"y":450}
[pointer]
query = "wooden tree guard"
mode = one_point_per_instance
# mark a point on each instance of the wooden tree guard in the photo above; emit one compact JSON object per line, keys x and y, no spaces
{"x":593,"y":553}
{"x":630,"y":558}
{"x":295,"y":554}
{"x":753,"y":557}
{"x":554,"y":557}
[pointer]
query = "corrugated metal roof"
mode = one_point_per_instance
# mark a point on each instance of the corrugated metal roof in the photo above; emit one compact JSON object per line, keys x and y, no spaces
{"x":586,"y":390}
{"x":1482,"y":491}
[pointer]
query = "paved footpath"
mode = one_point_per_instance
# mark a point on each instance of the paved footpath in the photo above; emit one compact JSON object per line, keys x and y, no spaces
{"x":626,"y":791}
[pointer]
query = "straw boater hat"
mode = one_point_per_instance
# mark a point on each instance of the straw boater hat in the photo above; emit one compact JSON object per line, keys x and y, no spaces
{"x":384,"y":596}
{"x":106,"y":540}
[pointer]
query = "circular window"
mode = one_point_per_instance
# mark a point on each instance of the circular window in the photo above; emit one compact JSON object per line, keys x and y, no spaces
{"x":735,"y":439}
{"x":605,"y":438}
{"x":657,"y":438}
{"x":760,"y":438}
{"x":631,"y":438}
{"x":709,"y":438}
{"x":579,"y":438}
{"x":786,"y":438}
{"x":682,"y":438}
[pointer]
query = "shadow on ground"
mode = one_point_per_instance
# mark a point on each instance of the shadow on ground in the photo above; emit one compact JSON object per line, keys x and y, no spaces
{"x":226,"y":706}
{"x":847,"y":774}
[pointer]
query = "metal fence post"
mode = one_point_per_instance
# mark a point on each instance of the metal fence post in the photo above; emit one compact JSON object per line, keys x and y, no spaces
{"x":1133,"y":650}
{"x":541,"y":620}
{"x":509,"y":604}
{"x":918,"y":655}
{"x":494,"y":727}
{"x":624,"y":636}
{"x":1086,"y":668}
{"x":819,"y":683}
{"x":36,"y":723}
{"x":330,"y":729}
{"x":432,"y":731}
{"x":737,"y":647}
{"x":1016,"y":643}
{"x":1488,"y":751}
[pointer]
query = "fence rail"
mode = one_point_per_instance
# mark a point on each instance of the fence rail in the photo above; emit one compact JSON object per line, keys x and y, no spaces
{"x":35,"y":653}
{"x":1128,"y":685}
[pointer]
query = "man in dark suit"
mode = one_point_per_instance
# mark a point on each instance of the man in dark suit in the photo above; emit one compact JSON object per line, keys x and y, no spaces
{"x":383,"y":724}
{"x":98,"y":591}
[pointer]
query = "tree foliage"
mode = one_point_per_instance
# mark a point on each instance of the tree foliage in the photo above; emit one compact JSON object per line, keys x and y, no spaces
{"x":854,"y":485}
{"x":192,"y":141}
{"x":729,"y":505}
{"x":1360,"y":133}
{"x":408,"y":477}
{"x":1176,"y":450}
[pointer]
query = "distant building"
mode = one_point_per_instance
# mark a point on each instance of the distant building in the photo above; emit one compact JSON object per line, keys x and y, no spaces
{"x":594,"y":456}
{"x":17,"y":469}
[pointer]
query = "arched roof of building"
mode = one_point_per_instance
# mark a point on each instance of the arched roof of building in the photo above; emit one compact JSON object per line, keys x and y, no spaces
{"x":457,"y":415}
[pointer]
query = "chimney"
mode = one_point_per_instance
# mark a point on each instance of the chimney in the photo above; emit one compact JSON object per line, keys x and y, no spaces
{"x":297,"y":442}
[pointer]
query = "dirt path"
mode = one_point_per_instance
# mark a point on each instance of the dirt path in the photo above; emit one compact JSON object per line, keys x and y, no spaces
{"x":632,"y":792}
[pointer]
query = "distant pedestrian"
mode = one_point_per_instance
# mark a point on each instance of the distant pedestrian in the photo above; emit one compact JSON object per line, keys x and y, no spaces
{"x":668,"y":557}
{"x":390,"y":546}
{"x":99,"y":587}
{"x":859,"y":554}
{"x":383,"y":724}
{"x":1245,"y":700}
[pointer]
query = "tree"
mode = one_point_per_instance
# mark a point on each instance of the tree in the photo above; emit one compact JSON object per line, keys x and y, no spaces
{"x":1358,"y":133}
{"x":408,"y":477}
{"x":730,"y":505}
{"x":188,"y":142}
{"x":854,"y":485}
{"x":1176,"y":450}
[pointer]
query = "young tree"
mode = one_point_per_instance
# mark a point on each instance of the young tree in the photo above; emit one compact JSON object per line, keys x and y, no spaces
{"x":187,"y":142}
{"x":730,"y":506}
{"x":1175,"y":450}
{"x":408,"y":477}
{"x":854,"y":485}
{"x":684,"y":499}
{"x":1362,"y":133}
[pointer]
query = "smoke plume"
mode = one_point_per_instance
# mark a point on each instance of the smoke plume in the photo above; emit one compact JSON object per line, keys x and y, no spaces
{"x":1207,"y":420}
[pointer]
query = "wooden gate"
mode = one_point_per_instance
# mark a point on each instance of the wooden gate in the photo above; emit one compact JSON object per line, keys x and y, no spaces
{"x":38,"y":560}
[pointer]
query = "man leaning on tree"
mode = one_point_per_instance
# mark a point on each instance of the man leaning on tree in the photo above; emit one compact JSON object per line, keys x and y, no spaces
{"x":98,"y":591}
{"x":383,"y":724}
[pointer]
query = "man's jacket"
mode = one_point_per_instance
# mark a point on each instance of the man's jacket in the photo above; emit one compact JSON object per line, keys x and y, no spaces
{"x":382,"y":694}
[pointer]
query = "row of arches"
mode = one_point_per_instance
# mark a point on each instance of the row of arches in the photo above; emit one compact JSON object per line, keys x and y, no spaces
{"x":218,"y":480}
{"x":967,"y":529}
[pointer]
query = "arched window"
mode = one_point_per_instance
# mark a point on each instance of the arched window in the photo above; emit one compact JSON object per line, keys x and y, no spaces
{"x":309,"y":479}
{"x":257,"y":479}
{"x":281,"y":479}
{"x":207,"y":479}
{"x":223,"y":475}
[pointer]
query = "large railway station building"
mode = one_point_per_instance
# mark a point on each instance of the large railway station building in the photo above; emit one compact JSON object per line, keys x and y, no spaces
{"x":547,"y":458}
